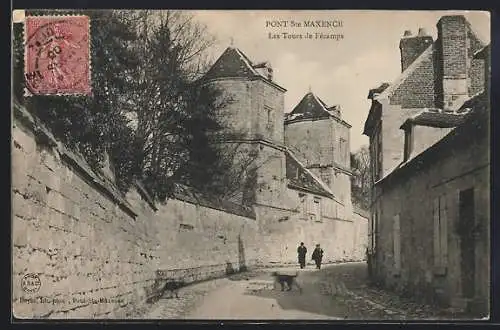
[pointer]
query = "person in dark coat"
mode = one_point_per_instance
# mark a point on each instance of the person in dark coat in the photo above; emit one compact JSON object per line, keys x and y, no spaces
{"x":302,"y":251}
{"x":317,"y":256}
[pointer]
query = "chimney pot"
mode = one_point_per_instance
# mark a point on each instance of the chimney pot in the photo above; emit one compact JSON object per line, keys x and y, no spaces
{"x":411,"y":47}
{"x":422,"y":32}
{"x":407,"y":33}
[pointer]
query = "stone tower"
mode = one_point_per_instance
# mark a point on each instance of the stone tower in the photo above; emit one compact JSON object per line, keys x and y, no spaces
{"x":320,"y":138}
{"x":255,"y":115}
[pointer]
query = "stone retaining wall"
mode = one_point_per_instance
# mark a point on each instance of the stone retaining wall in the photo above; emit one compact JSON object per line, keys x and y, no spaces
{"x":82,"y":250}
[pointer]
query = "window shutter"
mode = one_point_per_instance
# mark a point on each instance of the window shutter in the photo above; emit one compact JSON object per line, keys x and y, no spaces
{"x":444,"y":231}
{"x":397,"y":243}
{"x":436,"y":235}
{"x":375,"y":231}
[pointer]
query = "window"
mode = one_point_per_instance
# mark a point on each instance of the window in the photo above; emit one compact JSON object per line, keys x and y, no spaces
{"x":370,"y":232}
{"x":466,"y":230}
{"x":324,"y":153}
{"x":185,"y":227}
{"x":396,"y":240}
{"x":372,"y":162}
{"x":303,"y":206}
{"x":379,"y":155}
{"x":440,"y":235}
{"x":270,"y":117}
{"x":317,"y":209}
{"x":343,"y":150}
{"x":376,"y":156}
{"x":375,"y":231}
{"x":325,"y":176}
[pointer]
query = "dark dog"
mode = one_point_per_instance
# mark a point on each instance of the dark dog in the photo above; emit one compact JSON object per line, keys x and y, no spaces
{"x":290,"y":281}
{"x":173,"y":287}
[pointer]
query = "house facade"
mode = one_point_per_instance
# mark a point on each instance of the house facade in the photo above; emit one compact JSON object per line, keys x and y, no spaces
{"x":443,"y":75}
{"x":298,"y":196}
{"x":429,"y":145}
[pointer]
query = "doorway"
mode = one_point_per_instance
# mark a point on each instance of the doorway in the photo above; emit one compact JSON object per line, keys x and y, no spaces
{"x":467,"y":245}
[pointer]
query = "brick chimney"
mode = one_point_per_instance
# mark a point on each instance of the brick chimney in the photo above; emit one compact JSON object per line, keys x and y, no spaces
{"x":412,"y":46}
{"x":453,"y":61}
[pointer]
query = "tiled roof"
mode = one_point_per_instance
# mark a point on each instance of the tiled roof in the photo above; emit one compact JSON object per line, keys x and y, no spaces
{"x":300,"y":177}
{"x":232,"y":63}
{"x":479,"y":101}
{"x":388,"y":91}
{"x":374,"y":112}
{"x":373,"y":117}
{"x":187,"y":194}
{"x":436,"y":118}
{"x":312,"y":106}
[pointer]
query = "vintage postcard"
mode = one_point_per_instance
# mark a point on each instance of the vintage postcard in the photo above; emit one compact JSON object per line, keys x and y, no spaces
{"x":250,"y":165}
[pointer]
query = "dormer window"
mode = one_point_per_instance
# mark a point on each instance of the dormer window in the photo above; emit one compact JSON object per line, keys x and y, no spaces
{"x":264,"y":69}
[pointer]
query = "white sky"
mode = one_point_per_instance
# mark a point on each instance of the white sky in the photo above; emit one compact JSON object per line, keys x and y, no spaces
{"x":339,"y":72}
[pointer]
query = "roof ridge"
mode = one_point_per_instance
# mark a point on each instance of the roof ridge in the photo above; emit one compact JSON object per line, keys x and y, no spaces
{"x":246,"y":60}
{"x":321,"y":103}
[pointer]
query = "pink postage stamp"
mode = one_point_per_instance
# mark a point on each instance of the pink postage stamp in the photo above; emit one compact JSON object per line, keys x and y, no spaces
{"x":57,"y":55}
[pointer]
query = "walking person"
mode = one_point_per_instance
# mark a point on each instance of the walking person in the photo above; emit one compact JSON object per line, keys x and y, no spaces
{"x":302,"y":251}
{"x":317,"y":256}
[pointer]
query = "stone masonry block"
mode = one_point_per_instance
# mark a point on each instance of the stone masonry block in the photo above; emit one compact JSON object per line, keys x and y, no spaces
{"x":50,"y":158}
{"x":24,"y":139}
{"x":19,"y":232}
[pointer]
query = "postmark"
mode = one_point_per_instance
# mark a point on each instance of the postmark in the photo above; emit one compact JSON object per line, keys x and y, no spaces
{"x":57,"y":55}
{"x":31,"y":283}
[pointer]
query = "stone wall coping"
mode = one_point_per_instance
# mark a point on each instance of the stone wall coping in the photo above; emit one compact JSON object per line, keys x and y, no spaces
{"x":144,"y":194}
{"x":301,"y":119}
{"x":226,"y":206}
{"x":103,"y":185}
{"x":362,"y":212}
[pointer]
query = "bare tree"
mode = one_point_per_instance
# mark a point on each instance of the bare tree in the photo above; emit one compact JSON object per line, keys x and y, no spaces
{"x":159,"y":121}
{"x":360,"y":181}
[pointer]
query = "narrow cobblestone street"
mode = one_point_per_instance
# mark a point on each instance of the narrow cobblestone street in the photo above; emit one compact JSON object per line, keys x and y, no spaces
{"x":336,"y":292}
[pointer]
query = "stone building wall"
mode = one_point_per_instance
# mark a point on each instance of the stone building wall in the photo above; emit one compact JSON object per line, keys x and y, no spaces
{"x":393,"y":116}
{"x":306,"y":139}
{"x":342,"y":237}
{"x":323,"y":146}
{"x":267,"y":108}
{"x":254,"y":109}
{"x":412,"y":197}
